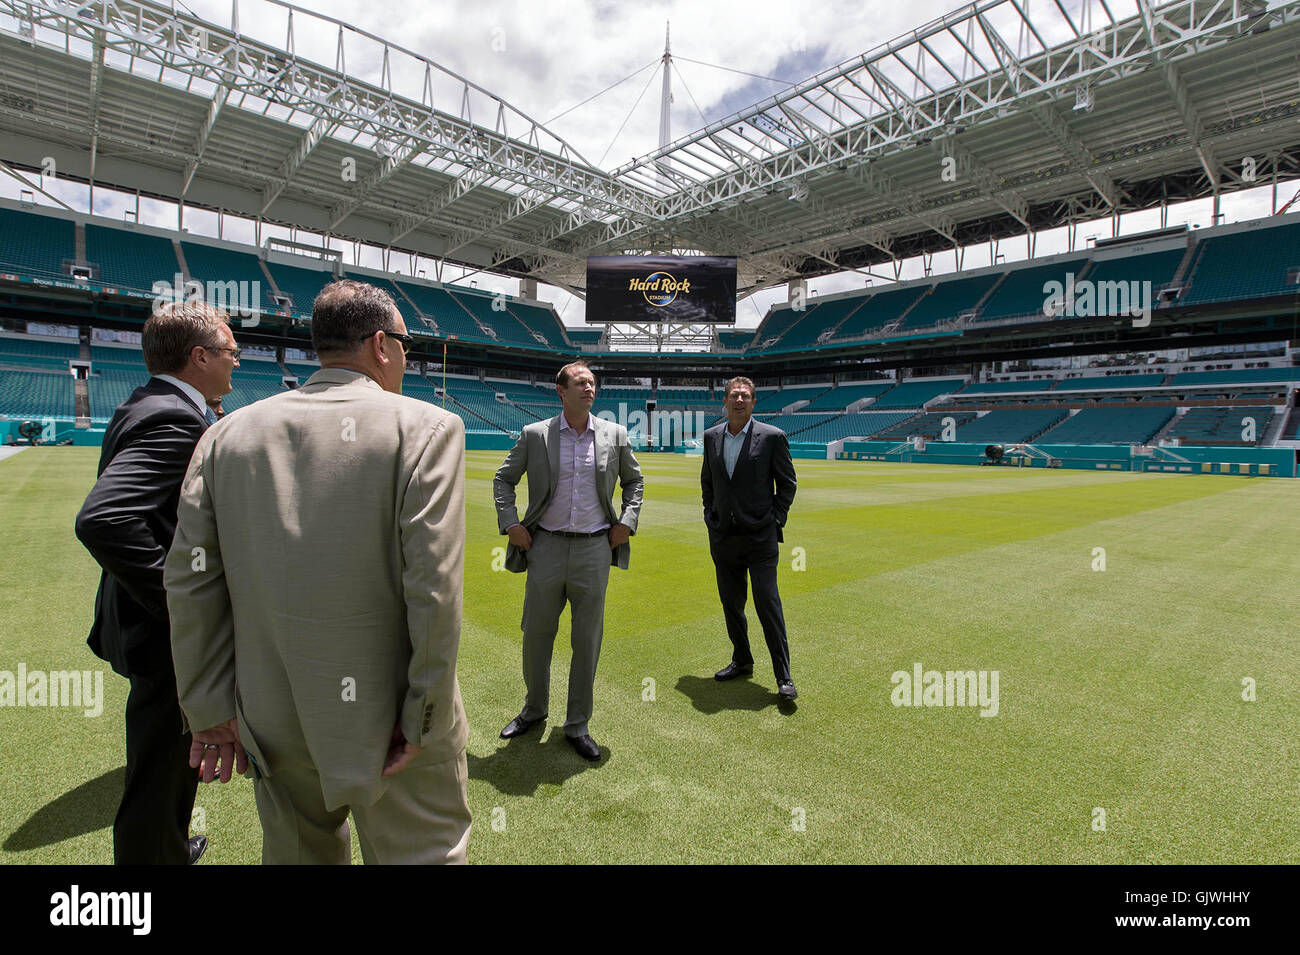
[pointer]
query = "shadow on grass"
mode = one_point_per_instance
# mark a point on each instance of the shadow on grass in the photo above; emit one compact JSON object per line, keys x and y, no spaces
{"x":88,"y":808}
{"x":710,"y":696}
{"x":519,"y":766}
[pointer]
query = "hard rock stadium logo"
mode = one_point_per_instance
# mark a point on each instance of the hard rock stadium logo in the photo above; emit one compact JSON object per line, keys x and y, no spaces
{"x":659,"y":288}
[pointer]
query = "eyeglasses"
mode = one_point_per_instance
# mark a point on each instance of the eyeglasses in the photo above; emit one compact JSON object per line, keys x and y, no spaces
{"x":406,"y":341}
{"x":234,"y":352}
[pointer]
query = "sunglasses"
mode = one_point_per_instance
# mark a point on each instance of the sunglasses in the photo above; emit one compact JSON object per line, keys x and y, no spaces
{"x":406,"y":341}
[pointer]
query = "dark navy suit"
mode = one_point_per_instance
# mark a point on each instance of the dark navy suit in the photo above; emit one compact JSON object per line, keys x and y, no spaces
{"x":127,"y":524}
{"x":745,"y":514}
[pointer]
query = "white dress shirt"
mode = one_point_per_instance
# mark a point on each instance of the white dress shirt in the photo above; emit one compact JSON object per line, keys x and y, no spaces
{"x":190,"y":392}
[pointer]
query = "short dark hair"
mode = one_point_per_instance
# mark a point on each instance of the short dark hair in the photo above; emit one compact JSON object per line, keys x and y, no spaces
{"x":173,"y":330}
{"x":738,"y":380}
{"x":562,"y":376}
{"x":346,"y":312}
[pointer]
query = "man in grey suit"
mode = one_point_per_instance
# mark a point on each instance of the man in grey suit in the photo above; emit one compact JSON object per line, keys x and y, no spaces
{"x":747,"y":481}
{"x":567,"y":541}
{"x":315,"y":587}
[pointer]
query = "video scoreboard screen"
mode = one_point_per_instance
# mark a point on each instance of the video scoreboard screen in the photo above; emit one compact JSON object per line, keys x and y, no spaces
{"x":641,"y":289}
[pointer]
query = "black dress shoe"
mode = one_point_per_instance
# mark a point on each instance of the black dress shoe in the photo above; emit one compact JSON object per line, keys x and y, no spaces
{"x":787,"y":691}
{"x":733,"y":670}
{"x":586,"y":747}
{"x":518,"y":726}
{"x":198,"y":845}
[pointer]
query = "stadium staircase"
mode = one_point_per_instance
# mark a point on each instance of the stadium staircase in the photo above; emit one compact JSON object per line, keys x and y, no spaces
{"x":976,"y":309}
{"x":81,"y":402}
{"x":1276,"y":428}
{"x":832,"y":330}
{"x":1033,"y":451}
{"x":1168,"y":427}
{"x":180,"y":257}
{"x":1185,"y":266}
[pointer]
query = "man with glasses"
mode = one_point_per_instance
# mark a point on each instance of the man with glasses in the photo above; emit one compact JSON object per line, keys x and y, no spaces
{"x":127,"y":523}
{"x":331,"y":525}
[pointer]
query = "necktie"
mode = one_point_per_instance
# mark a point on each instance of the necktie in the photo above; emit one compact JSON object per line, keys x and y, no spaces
{"x":210,"y":415}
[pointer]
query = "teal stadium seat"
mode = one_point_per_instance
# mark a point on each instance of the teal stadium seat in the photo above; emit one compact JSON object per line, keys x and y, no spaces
{"x":1011,"y":427}
{"x":1021,"y":292}
{"x":1108,"y":426}
{"x":450,"y":316}
{"x":816,"y":319}
{"x":999,"y":387}
{"x":34,"y":354}
{"x":510,"y":331}
{"x":210,"y":264}
{"x":36,"y":394}
{"x":793,"y":424}
{"x":877,"y":311}
{"x":915,"y":393}
{"x":536,"y":318}
{"x":949,"y":299}
{"x":1252,"y":264}
{"x":585,"y":337}
{"x":253,"y":380}
{"x":770,"y":402}
{"x":301,"y":285}
{"x":1107,"y":382}
{"x":928,"y":425}
{"x":1221,"y":425}
{"x":838,"y":399}
{"x":858,"y":425}
{"x":35,"y":244}
{"x":414,"y":324}
{"x":132,"y":261}
{"x":1158,"y":268}
{"x":1245,"y":376}
{"x":729,"y":339}
{"x":779,"y":321}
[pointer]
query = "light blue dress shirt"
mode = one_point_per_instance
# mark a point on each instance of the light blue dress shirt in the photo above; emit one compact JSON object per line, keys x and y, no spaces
{"x":731,"y":445}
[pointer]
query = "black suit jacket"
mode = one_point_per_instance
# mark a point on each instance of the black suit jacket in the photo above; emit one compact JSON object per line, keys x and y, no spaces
{"x":128,"y":522}
{"x":756,"y":499}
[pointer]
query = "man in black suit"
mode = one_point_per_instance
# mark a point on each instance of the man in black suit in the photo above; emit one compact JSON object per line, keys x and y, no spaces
{"x":748,"y":483}
{"x":127,"y":524}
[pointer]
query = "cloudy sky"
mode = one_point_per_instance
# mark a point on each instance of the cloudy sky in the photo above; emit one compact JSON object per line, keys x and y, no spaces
{"x":545,"y":59}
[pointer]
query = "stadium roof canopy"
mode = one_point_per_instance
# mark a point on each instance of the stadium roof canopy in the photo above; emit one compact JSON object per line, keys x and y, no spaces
{"x":986,"y":123}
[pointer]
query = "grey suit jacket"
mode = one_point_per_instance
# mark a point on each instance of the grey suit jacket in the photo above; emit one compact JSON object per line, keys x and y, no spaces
{"x":537,"y":453}
{"x":315,"y":580}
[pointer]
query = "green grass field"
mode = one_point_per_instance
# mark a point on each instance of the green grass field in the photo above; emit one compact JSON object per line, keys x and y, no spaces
{"x":1120,"y":689}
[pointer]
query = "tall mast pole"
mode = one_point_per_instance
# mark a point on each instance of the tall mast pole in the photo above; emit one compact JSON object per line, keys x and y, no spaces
{"x":665,"y":104}
{"x":665,"y":136}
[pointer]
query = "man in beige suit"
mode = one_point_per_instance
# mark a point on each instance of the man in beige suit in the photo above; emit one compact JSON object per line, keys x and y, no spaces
{"x":314,"y":587}
{"x":567,"y":541}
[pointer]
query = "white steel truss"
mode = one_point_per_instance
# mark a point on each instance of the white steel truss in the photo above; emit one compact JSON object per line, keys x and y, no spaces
{"x":840,"y":166}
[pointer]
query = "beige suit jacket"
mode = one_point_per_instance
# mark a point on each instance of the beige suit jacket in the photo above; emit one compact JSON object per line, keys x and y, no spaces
{"x":537,"y":453}
{"x":315,"y":580}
